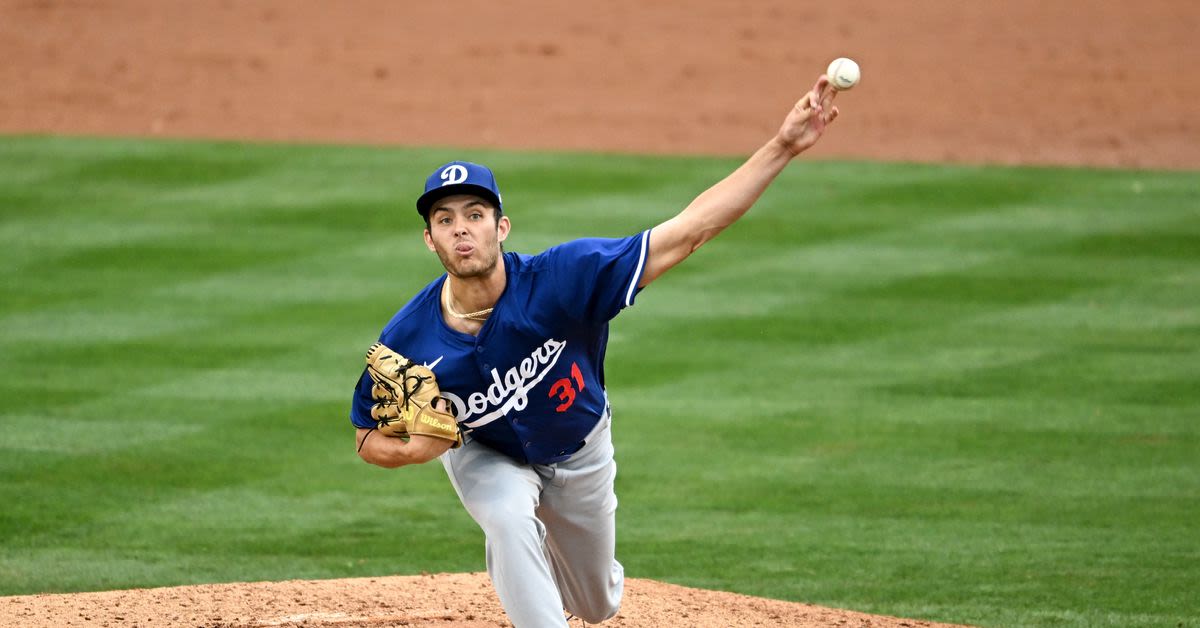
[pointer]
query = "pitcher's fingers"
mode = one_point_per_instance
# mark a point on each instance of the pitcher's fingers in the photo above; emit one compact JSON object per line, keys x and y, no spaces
{"x":821,"y":84}
{"x":833,"y":114}
{"x":824,"y":89}
{"x":804,"y":105}
{"x":828,"y":96}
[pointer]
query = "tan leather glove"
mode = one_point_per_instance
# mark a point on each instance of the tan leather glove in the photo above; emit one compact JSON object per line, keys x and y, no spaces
{"x":407,"y":394}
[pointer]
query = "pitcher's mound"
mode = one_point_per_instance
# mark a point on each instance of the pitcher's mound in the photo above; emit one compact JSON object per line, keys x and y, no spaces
{"x":441,"y":601}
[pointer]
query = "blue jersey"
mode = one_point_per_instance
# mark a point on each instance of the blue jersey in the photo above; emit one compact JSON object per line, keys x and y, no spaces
{"x":531,"y":384}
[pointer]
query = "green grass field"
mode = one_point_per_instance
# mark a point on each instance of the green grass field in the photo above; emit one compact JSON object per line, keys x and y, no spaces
{"x":956,"y":393}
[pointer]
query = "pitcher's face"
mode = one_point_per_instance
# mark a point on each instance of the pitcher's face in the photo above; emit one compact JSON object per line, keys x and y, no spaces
{"x":465,"y":234}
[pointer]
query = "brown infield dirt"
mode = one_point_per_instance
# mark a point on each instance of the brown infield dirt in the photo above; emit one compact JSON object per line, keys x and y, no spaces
{"x":1068,"y":82}
{"x":427,"y":601}
{"x":1088,"y":82}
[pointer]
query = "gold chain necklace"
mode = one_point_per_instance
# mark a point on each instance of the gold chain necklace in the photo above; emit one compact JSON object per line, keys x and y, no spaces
{"x":481,"y":315}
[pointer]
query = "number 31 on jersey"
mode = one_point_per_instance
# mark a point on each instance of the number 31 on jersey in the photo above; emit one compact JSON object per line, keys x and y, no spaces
{"x":565,"y":389}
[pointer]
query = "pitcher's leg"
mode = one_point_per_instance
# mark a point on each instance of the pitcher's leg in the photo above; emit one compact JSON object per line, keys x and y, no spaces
{"x":579,"y":508}
{"x":502,"y":497}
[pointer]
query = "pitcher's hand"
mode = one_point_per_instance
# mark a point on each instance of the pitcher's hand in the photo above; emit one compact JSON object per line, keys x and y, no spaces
{"x":807,"y":121}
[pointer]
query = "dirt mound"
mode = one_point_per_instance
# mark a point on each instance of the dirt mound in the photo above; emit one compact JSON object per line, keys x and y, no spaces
{"x":441,"y":601}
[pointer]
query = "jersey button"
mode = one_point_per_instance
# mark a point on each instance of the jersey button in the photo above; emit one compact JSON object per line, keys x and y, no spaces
{"x":528,"y":445}
{"x":479,"y":348}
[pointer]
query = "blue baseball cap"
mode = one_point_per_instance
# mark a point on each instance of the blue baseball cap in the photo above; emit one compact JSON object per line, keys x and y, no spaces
{"x":458,"y":177}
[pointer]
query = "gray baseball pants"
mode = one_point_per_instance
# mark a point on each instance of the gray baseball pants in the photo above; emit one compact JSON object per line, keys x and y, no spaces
{"x":550,"y":529}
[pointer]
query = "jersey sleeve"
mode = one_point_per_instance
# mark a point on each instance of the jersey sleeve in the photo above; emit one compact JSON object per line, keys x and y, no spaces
{"x":595,"y":278}
{"x":360,"y":407}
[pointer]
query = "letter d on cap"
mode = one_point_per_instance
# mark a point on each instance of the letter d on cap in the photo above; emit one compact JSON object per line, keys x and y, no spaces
{"x":454,"y":175}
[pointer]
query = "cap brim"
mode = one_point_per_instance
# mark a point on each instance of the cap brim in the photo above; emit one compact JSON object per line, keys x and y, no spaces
{"x":425,"y":203}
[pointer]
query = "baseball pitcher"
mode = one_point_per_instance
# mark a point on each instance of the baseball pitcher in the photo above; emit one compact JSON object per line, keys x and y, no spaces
{"x":497,"y":367}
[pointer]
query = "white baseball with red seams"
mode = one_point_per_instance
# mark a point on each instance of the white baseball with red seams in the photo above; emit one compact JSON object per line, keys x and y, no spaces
{"x":843,"y":73}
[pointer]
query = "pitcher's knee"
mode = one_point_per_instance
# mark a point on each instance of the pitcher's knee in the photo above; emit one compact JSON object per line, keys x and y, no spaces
{"x":598,"y":613}
{"x":597,"y":608}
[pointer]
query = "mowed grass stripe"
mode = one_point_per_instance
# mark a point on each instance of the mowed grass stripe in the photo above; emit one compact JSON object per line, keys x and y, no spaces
{"x":959,"y":393}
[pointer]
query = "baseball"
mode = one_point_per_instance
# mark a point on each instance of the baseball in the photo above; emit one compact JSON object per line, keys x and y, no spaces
{"x":843,"y":73}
